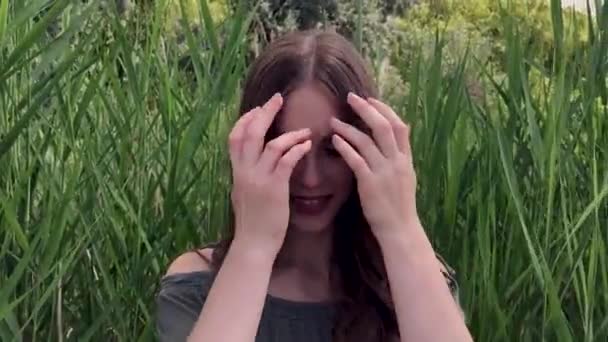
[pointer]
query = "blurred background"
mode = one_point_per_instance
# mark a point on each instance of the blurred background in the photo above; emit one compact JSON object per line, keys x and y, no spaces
{"x":113,"y":123}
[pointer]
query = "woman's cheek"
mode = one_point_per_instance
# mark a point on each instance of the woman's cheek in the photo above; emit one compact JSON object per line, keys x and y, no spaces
{"x":339,"y":172}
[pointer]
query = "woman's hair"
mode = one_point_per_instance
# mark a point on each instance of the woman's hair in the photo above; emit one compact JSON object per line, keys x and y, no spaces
{"x":365,"y":312}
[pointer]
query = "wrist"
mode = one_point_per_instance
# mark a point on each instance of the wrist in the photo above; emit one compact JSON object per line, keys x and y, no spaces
{"x":254,"y":251}
{"x":409,"y":236}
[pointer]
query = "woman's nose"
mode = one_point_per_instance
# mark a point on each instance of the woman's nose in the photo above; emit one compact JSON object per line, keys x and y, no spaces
{"x":307,"y":172}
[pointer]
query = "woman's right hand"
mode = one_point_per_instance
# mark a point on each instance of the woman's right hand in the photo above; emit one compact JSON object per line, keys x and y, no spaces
{"x":260,"y":192}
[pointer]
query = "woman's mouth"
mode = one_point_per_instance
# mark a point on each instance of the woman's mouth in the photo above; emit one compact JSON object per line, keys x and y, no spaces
{"x":310,"y":205}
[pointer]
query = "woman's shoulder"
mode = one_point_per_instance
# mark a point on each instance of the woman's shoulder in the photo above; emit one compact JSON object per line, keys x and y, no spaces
{"x":188,"y":275}
{"x":191,"y":262}
{"x":184,"y":286}
{"x":182,"y":293}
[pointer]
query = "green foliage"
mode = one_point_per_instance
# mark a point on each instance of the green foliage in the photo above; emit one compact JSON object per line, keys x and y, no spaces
{"x":480,"y":29}
{"x":175,"y":9}
{"x":173,"y":12}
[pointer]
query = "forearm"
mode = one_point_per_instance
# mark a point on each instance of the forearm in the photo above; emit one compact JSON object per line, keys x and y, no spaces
{"x":423,"y":301}
{"x":234,"y":305}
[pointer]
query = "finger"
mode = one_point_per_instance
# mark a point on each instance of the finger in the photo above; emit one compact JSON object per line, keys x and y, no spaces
{"x":361,"y":141}
{"x":289,"y":160}
{"x":400,"y":129}
{"x":276,"y":148}
{"x":274,"y":103}
{"x":354,"y":160}
{"x":237,"y":135}
{"x":254,"y":135}
{"x":381,"y":127}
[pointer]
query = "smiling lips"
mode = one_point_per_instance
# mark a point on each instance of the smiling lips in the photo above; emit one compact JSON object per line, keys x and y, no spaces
{"x":310,"y":205}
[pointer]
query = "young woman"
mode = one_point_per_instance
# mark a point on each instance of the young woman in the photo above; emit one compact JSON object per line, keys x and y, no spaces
{"x":325,"y":242}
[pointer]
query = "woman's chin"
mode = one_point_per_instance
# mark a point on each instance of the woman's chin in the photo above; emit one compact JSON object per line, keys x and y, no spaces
{"x":310,"y":224}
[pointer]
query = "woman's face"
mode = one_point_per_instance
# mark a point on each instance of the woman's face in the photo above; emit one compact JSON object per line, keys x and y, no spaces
{"x":321,"y":182}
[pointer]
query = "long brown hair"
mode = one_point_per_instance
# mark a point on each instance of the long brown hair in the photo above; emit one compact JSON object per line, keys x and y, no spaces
{"x":365,"y":312}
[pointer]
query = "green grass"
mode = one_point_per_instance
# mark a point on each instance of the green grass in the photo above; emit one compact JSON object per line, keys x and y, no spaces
{"x":112,"y":162}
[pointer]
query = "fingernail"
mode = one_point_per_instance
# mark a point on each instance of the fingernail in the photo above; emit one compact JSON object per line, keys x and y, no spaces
{"x":354,"y":96}
{"x":276,"y":96}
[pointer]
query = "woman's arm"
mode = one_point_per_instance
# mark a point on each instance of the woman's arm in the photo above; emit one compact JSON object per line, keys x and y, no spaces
{"x":386,"y":182}
{"x":234,"y":304}
{"x":260,"y":201}
{"x":425,"y":308}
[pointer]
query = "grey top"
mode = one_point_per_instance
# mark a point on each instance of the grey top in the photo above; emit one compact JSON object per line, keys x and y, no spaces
{"x":181,"y":298}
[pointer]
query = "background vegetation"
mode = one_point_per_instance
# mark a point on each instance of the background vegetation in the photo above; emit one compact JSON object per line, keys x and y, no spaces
{"x":112,"y":161}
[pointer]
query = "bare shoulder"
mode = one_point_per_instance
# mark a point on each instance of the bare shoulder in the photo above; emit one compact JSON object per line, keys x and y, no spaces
{"x":191,"y":262}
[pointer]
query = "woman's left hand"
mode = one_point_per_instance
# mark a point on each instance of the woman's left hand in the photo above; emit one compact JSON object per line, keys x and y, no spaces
{"x":383,"y":166}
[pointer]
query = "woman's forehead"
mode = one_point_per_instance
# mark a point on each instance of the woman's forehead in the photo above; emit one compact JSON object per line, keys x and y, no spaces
{"x":308,"y":107}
